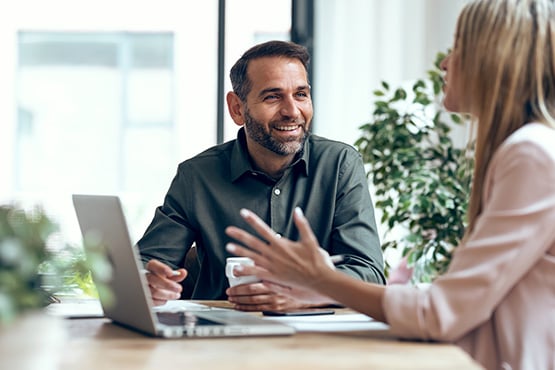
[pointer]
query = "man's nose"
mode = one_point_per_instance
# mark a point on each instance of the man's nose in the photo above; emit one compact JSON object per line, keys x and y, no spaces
{"x":290,"y":107}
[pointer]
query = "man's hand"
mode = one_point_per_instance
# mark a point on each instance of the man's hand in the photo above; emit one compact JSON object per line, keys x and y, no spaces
{"x":164,"y":282}
{"x":259,"y":297}
{"x":268,"y":296}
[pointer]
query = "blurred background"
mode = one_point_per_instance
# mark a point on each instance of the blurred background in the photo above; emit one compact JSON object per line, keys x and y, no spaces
{"x":108,"y":96}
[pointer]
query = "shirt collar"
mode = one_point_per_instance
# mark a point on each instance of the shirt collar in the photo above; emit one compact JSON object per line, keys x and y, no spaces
{"x":240,"y":162}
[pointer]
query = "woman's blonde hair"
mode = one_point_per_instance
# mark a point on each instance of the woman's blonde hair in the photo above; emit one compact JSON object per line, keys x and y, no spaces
{"x":507,"y":73}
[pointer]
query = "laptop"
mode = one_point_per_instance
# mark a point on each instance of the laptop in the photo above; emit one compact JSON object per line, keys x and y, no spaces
{"x":133,"y":307}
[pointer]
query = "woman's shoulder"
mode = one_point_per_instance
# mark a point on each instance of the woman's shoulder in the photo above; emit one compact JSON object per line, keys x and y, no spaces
{"x":537,"y":135}
{"x":534,"y":132}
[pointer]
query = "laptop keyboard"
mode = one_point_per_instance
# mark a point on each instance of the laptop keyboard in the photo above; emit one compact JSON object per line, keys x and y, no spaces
{"x":183,"y":319}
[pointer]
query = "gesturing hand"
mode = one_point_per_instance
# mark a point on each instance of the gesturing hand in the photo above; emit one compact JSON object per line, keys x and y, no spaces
{"x":280,"y":260}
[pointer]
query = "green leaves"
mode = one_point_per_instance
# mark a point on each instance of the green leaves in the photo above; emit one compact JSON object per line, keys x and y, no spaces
{"x":30,"y":269}
{"x":23,"y":239}
{"x":421,"y":179}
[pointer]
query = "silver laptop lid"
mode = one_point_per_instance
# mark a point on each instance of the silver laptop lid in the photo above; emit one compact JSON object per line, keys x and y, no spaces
{"x":103,"y":216}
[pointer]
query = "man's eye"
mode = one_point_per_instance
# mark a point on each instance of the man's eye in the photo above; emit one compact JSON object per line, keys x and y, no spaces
{"x":271,"y":97}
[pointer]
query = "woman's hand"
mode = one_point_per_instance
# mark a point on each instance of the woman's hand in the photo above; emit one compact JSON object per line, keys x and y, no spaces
{"x":280,"y":260}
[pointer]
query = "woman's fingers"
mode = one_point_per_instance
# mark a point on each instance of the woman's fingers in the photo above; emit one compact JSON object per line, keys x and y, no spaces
{"x":292,"y":261}
{"x":246,"y":238}
{"x":244,"y":252}
{"x":254,"y":243}
{"x":260,"y":226}
{"x":305,"y":231}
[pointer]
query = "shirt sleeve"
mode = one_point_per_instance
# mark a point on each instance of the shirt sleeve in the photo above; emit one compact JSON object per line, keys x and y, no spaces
{"x":354,"y":233}
{"x":168,"y":238}
{"x":511,"y":235}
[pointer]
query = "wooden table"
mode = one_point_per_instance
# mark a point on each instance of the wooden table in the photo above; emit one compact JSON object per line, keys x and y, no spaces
{"x":99,"y":344}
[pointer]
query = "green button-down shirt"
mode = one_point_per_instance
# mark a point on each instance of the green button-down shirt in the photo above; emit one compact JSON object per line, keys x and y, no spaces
{"x":327,"y":181}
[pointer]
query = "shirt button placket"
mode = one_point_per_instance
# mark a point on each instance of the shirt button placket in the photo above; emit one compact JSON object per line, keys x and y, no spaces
{"x":276,"y":218}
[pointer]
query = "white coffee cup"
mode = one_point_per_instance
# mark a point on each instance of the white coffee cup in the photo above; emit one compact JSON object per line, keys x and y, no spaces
{"x":231,"y":263}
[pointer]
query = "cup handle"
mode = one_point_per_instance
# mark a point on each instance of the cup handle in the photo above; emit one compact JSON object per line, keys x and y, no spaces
{"x":229,"y":270}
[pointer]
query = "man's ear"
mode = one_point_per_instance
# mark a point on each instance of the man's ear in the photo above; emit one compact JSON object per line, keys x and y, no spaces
{"x":235,"y":107}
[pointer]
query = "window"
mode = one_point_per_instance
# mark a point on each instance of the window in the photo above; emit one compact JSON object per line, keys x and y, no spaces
{"x":110,"y":100}
{"x":95,"y":113}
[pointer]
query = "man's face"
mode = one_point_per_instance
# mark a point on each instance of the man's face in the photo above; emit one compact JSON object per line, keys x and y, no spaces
{"x":278,"y":111}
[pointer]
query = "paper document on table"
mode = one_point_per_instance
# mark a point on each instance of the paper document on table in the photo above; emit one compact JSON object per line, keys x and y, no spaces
{"x":76,"y":308}
{"x":332,"y":323}
{"x":88,"y":308}
{"x":182,"y":305}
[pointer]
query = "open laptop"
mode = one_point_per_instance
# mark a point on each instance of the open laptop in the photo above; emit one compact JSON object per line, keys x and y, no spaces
{"x":133,"y":308}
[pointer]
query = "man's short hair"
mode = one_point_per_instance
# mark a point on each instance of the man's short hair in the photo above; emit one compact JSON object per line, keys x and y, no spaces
{"x":238,"y":74}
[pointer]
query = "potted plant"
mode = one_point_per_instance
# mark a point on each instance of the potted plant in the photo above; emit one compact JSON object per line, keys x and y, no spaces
{"x":23,"y":248}
{"x":32,"y":270}
{"x":420,"y":177}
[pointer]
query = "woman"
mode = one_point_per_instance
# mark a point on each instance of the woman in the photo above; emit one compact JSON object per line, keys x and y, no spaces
{"x":497,"y":300}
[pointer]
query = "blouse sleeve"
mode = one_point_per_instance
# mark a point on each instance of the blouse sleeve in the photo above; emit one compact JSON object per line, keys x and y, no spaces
{"x":515,"y":229}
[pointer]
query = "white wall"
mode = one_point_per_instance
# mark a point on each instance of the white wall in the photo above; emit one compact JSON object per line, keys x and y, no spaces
{"x":359,"y":43}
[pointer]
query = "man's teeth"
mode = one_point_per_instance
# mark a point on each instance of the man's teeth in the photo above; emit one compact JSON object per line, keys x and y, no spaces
{"x":286,"y":128}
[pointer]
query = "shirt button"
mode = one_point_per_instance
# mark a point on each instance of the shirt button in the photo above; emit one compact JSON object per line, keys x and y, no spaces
{"x":277,"y":191}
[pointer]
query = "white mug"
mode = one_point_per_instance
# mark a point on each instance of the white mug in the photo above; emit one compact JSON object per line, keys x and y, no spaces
{"x":233,"y":262}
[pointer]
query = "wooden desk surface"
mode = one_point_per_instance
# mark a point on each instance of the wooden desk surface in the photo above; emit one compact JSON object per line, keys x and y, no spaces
{"x":99,"y":344}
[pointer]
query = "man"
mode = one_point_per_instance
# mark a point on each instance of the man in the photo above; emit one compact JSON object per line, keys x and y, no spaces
{"x":273,"y":166}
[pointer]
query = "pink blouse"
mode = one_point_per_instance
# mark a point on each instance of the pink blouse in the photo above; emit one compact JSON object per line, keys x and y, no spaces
{"x":497,"y":300}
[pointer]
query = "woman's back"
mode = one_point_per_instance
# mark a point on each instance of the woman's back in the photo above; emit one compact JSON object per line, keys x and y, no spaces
{"x":520,"y":213}
{"x":497,"y":301}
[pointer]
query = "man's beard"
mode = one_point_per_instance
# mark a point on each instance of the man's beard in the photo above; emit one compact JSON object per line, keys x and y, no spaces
{"x":255,"y":130}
